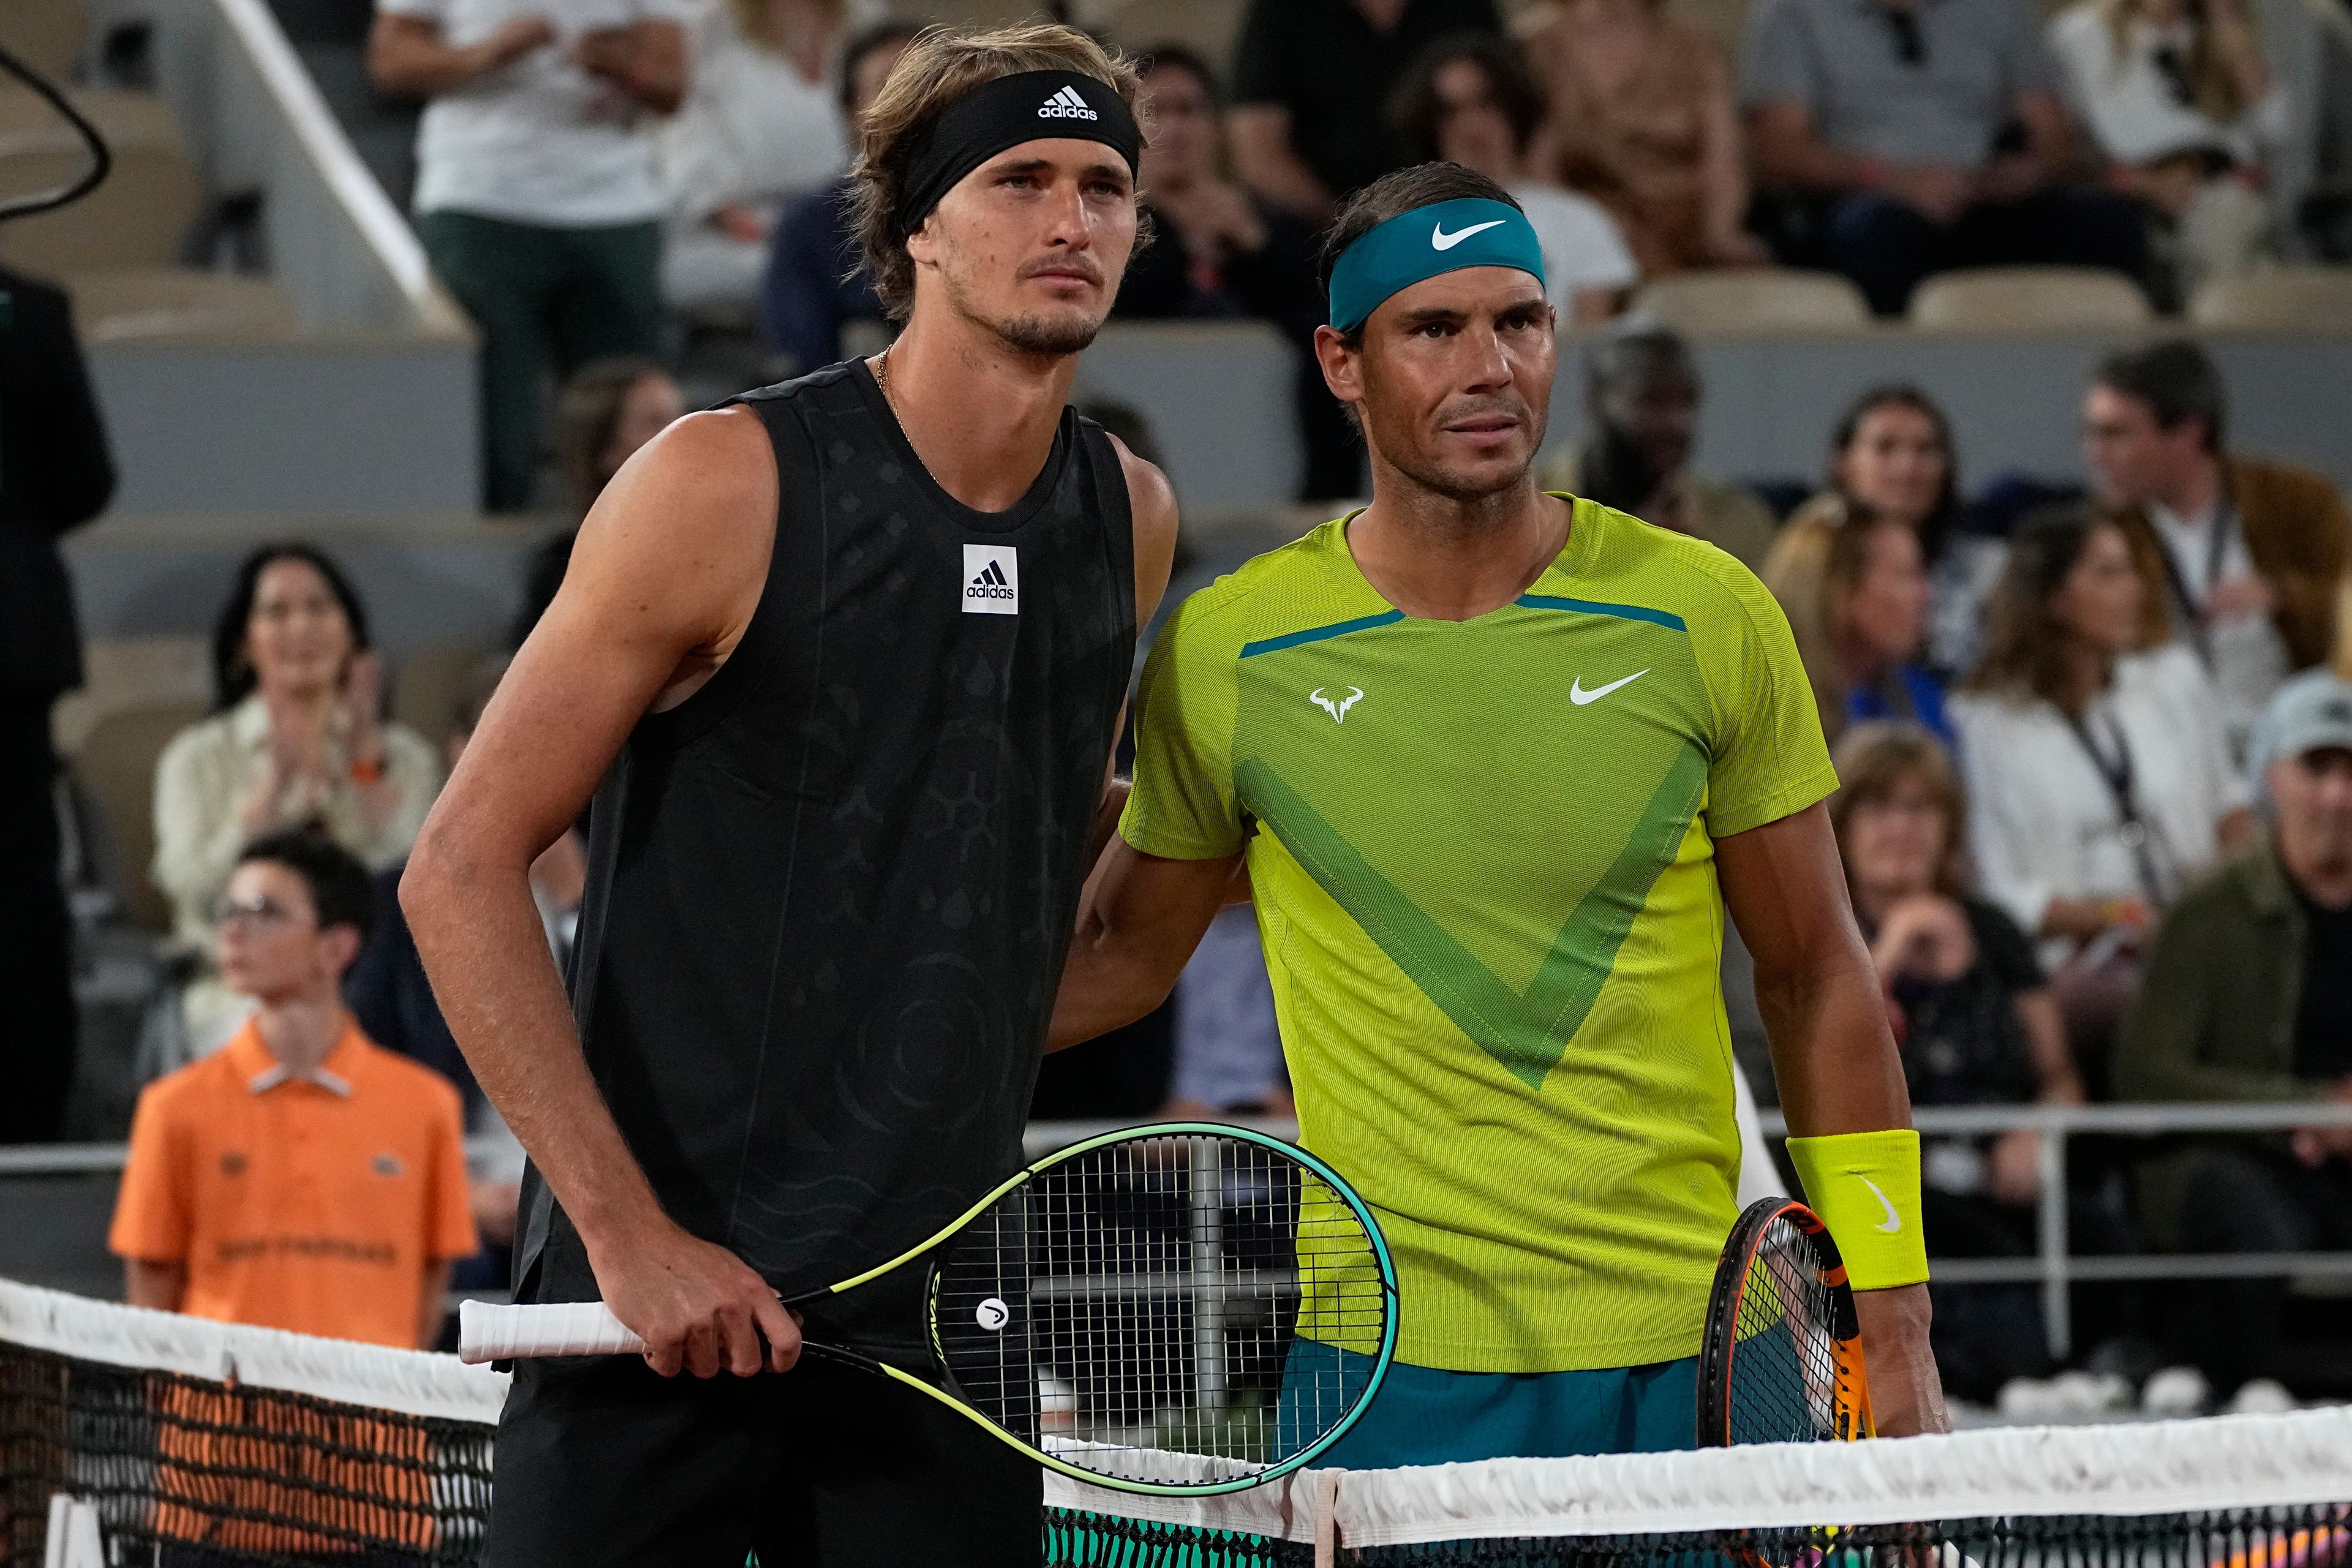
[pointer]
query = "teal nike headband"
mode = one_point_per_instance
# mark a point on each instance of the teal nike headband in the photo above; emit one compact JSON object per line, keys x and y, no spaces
{"x":1445,"y":237}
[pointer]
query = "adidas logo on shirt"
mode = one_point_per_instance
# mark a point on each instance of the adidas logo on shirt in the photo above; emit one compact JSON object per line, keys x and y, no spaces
{"x":992,"y":580}
{"x":1065,"y":104}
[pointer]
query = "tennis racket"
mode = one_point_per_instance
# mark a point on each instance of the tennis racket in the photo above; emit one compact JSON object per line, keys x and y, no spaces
{"x":1175,"y":1310}
{"x":1782,"y":1358}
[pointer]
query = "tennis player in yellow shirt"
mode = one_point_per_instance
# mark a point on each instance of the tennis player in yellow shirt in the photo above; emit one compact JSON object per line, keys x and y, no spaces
{"x":1496,"y":762}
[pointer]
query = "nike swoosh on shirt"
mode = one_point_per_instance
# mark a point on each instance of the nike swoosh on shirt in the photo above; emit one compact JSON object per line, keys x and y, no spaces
{"x":1441,"y":240}
{"x":1578,"y":695}
{"x":1894,"y":1221}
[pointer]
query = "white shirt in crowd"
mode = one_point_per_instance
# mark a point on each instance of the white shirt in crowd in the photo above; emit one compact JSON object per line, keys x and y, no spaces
{"x":540,"y":141}
{"x":2043,"y":823}
{"x":2130,"y":106}
{"x":2245,"y":654}
{"x":752,"y":132}
{"x":1581,"y":246}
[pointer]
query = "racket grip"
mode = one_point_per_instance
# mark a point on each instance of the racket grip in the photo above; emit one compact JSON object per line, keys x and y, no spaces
{"x":486,"y":1331}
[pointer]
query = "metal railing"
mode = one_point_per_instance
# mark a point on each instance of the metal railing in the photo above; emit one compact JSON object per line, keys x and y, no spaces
{"x":2053,"y":1265}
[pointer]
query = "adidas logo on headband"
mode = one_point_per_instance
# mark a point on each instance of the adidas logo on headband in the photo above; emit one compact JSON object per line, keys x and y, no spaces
{"x":1067,"y":104}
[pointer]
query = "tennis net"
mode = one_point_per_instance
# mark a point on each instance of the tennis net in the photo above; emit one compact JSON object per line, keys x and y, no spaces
{"x":148,"y":1437}
{"x":2268,"y":1491}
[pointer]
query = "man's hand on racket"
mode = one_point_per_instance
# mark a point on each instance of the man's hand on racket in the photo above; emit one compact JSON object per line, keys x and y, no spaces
{"x":696,"y":1306}
{"x":1907,"y":1396}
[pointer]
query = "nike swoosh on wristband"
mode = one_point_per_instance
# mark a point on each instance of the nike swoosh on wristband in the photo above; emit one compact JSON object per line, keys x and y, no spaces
{"x":1441,"y":240}
{"x":1894,"y":1221}
{"x":1578,"y":695}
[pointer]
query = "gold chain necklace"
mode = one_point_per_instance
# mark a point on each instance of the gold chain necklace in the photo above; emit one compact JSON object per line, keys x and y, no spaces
{"x":882,"y":384}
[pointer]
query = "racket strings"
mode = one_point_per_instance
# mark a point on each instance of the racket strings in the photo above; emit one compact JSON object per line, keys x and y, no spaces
{"x":1182,"y":1310}
{"x":1784,"y":1368}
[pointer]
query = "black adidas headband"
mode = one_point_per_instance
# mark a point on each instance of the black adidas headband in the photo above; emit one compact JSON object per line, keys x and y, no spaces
{"x":1005,"y":112}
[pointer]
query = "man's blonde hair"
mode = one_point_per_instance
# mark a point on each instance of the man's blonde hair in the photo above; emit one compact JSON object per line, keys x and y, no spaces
{"x":939,"y":67}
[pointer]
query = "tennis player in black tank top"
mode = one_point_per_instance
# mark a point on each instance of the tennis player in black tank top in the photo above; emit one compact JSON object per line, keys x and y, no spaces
{"x":842,"y":665}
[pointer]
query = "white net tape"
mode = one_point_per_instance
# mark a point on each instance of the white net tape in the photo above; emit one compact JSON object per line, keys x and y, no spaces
{"x":2165,"y":1467}
{"x":411,"y":1382}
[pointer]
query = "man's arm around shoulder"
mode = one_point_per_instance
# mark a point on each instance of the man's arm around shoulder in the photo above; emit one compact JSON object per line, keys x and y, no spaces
{"x":665,"y":577}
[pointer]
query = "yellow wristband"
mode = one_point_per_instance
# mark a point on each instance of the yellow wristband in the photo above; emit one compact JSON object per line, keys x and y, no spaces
{"x":1865,"y":1187}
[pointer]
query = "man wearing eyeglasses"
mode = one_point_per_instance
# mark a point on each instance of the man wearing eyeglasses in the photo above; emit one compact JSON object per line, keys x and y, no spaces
{"x":1919,"y":136}
{"x":302,"y":1177}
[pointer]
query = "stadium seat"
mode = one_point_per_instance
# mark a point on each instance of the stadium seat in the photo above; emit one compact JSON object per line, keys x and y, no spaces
{"x":115,"y":764}
{"x":144,"y":304}
{"x":1755,"y":299}
{"x":2307,"y":298}
{"x":425,"y":690}
{"x":131,"y":672}
{"x":45,"y":34}
{"x":2029,"y":299}
{"x":137,"y":218}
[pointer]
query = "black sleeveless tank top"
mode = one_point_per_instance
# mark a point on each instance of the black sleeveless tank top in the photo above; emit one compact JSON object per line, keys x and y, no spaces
{"x":830,"y":893}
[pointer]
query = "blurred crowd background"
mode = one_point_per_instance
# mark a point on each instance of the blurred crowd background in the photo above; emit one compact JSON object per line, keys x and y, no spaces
{"x":2087,"y":687}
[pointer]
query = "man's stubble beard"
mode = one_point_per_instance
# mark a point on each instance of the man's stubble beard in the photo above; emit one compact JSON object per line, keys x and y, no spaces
{"x":1458,"y":486}
{"x":1048,"y":337}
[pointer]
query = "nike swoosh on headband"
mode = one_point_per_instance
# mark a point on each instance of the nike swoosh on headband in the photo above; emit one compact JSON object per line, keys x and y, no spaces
{"x":1441,"y":240}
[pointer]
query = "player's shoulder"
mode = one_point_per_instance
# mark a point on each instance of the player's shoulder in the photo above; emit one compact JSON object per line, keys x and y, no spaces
{"x":1295,"y":588}
{"x":1708,"y":588}
{"x":190,"y":1091}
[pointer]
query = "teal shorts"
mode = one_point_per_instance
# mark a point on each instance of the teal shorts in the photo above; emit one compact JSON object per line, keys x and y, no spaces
{"x":1425,"y":1416}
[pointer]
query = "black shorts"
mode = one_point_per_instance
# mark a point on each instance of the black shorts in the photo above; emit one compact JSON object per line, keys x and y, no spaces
{"x":600,"y":1461}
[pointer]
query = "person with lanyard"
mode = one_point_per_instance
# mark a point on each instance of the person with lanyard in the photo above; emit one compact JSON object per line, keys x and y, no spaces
{"x":1485,"y":757}
{"x":2249,"y":552}
{"x":848,"y":656}
{"x":2099,"y":778}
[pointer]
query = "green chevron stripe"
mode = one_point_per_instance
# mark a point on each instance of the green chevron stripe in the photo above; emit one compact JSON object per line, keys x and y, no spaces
{"x":1527,"y":1031}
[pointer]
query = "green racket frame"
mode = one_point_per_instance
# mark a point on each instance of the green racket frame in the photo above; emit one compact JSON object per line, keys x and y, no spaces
{"x":1149,"y":1132}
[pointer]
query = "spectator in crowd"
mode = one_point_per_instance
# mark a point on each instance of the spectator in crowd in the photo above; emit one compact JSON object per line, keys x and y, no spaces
{"x":816,"y":281}
{"x":762,"y":123}
{"x":298,"y":742}
{"x":303,"y":1177}
{"x":1471,"y":101}
{"x":1218,"y":251}
{"x":1228,"y":1048}
{"x":536,"y":195}
{"x":54,"y":476}
{"x":2181,"y":102}
{"x":2248,"y":552}
{"x":1925,"y":136}
{"x":2325,"y":214}
{"x":2249,"y":998}
{"x":2261,"y":745}
{"x":1642,"y":392}
{"x":1973,"y":1017}
{"x":1311,"y":86}
{"x":1856,"y":596}
{"x":1891,"y":455}
{"x":602,"y":416}
{"x":2098,"y":777}
{"x":1642,"y":120}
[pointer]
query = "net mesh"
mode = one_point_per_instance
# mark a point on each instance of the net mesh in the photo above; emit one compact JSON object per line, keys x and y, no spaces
{"x":2226,"y":1492}
{"x":197,"y":1444}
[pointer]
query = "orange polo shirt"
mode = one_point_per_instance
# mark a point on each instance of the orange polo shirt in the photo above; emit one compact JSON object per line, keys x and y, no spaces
{"x":314,"y":1204}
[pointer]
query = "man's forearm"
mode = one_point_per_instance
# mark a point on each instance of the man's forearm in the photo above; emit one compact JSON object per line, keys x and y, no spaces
{"x":1833,"y":1052}
{"x":158,"y":1286}
{"x":405,"y":64}
{"x":479,"y":932}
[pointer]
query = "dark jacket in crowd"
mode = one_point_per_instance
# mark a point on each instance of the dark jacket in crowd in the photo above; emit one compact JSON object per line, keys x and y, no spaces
{"x":54,"y":476}
{"x":2218,"y":1007}
{"x":815,"y":285}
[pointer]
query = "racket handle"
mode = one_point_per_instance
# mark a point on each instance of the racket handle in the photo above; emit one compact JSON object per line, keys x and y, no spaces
{"x":490,"y":1332}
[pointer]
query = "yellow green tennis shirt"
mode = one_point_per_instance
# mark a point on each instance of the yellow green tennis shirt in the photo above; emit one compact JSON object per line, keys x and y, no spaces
{"x":1482,"y":854}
